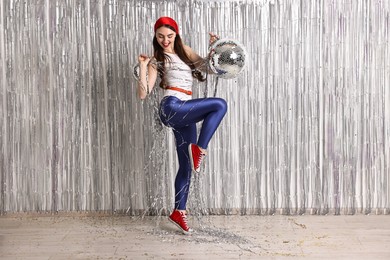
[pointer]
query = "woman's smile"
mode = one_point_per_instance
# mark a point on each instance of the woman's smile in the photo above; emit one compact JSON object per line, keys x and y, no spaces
{"x":165,"y":45}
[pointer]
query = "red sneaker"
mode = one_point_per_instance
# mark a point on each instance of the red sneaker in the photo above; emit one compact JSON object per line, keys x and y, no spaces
{"x":180,"y":219}
{"x":196,"y":157}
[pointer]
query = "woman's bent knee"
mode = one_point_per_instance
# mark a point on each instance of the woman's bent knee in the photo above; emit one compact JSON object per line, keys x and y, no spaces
{"x":222,"y":105}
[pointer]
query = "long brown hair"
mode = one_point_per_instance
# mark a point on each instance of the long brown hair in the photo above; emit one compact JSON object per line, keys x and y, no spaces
{"x":161,"y":57}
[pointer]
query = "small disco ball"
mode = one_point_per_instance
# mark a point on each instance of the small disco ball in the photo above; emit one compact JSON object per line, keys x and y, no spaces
{"x":227,"y":58}
{"x":136,"y":72}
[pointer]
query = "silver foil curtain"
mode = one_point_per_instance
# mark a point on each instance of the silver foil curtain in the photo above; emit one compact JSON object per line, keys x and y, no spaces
{"x":307,"y":130}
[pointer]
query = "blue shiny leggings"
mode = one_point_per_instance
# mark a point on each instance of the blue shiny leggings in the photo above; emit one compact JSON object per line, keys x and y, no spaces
{"x":182,"y":116}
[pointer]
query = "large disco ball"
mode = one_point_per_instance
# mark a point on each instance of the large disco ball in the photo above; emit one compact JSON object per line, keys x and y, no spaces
{"x":227,"y":58}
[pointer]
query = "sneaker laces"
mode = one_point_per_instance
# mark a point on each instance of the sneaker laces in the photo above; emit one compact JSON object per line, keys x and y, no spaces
{"x":197,"y":155}
{"x":184,"y":218}
{"x":201,"y":155}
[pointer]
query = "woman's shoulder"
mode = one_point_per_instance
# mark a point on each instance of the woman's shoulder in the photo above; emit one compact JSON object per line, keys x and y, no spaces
{"x":153,"y":61}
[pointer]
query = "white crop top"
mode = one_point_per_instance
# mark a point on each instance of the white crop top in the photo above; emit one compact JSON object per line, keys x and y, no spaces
{"x":178,"y":75}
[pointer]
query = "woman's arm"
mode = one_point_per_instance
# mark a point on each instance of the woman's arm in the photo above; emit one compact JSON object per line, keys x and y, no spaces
{"x":147,"y":76}
{"x":199,"y":62}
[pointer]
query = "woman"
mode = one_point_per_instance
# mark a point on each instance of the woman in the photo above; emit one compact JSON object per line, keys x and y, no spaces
{"x":177,"y":64}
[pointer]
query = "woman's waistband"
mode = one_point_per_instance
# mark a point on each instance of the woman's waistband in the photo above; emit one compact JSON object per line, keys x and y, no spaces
{"x":187,"y":92}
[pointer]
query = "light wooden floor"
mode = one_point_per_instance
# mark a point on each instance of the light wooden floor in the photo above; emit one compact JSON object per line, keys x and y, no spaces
{"x":216,"y":237}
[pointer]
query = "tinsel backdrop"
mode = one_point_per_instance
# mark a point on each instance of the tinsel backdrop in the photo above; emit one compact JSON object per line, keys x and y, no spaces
{"x":307,"y":128}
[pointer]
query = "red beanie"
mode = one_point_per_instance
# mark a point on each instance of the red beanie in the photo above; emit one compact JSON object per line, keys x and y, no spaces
{"x":166,"y":21}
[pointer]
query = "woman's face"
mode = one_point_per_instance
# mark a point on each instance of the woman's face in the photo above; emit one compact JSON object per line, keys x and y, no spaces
{"x":166,"y":38}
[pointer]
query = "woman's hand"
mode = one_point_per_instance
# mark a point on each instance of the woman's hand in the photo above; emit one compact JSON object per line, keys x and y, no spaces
{"x":213,"y":38}
{"x":143,"y":59}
